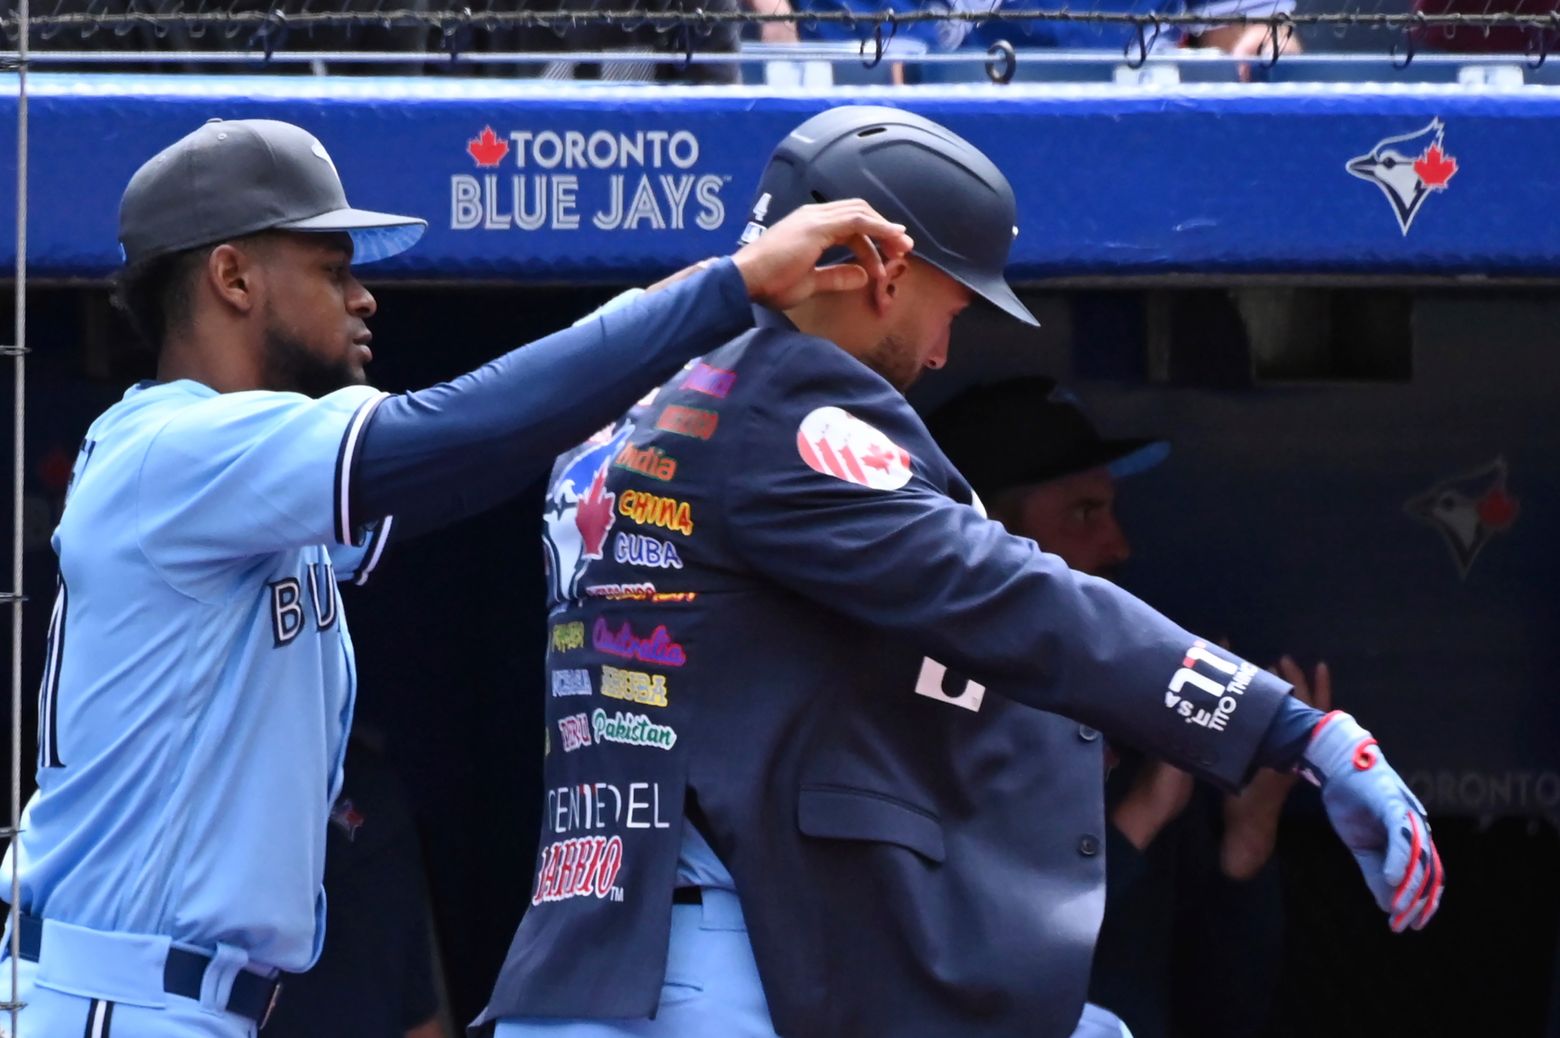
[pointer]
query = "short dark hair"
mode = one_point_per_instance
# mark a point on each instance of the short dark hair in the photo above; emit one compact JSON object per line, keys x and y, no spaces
{"x":155,"y":295}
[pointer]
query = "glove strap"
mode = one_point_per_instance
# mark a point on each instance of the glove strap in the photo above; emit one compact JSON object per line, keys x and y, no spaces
{"x":1338,"y":742}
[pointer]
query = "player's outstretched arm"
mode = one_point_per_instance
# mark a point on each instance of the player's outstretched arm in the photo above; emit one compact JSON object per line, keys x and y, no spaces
{"x":439,"y":454}
{"x":826,"y":495}
{"x":881,"y":541}
{"x":1378,"y":818}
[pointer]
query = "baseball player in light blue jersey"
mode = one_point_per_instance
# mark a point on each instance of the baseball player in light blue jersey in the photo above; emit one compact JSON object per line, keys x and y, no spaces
{"x":199,"y":681}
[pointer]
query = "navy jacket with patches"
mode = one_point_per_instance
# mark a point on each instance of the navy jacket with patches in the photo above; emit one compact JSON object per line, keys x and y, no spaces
{"x":870,"y":698}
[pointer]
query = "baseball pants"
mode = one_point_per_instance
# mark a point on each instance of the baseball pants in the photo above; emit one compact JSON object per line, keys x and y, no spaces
{"x":712,"y":988}
{"x":89,"y":984}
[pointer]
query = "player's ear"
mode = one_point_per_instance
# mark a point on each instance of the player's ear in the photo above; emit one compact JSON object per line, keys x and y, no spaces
{"x":232,"y":274}
{"x":891,"y":287}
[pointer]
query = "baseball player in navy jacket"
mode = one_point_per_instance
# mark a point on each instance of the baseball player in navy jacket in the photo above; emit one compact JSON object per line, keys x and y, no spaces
{"x":785,"y":640}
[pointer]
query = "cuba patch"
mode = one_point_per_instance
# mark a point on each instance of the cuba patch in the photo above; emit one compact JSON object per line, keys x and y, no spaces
{"x":575,"y":731}
{"x":657,"y":648}
{"x":654,"y":510}
{"x":637,"y":549}
{"x":631,"y":730}
{"x":571,"y":682}
{"x":647,"y":461}
{"x":633,"y":685}
{"x":837,"y":443}
{"x":688,"y":421}
{"x":568,"y":636}
{"x":583,"y":866}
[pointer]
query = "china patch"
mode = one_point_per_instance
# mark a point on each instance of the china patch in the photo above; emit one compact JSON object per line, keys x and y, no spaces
{"x":653,"y":510}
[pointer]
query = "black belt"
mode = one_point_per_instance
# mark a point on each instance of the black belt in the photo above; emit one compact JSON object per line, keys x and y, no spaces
{"x":688,"y":896}
{"x":184,"y":972}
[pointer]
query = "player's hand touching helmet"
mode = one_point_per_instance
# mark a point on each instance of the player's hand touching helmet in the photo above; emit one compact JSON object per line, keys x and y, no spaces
{"x":780,"y":267}
{"x":1378,"y":818}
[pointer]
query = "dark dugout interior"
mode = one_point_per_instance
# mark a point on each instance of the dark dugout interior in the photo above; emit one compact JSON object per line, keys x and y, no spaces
{"x":1306,"y":419}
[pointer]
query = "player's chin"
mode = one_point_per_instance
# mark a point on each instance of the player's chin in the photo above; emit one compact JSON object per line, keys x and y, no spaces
{"x":354,"y":368}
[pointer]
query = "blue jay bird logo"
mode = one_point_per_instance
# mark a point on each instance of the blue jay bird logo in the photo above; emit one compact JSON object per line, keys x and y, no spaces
{"x":1408,"y":168}
{"x":1468,"y":510}
{"x":579,"y":512}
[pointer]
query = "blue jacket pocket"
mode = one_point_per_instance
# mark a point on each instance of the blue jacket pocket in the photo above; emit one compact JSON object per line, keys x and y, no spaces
{"x":834,"y":813}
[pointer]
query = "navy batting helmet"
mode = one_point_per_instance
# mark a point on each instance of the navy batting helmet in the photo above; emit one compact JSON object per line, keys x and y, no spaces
{"x":951,"y":198}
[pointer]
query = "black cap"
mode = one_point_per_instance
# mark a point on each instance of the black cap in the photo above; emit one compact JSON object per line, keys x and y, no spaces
{"x":1028,"y":431}
{"x":951,"y":198}
{"x":229,"y":179}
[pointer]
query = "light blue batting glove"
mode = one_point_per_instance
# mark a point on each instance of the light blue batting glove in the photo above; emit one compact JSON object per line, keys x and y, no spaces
{"x":1378,"y":818}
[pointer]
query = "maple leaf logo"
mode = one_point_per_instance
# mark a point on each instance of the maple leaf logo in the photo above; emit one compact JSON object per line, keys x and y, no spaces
{"x":593,"y":514}
{"x":1435,"y":167}
{"x":1497,"y":509}
{"x":487,"y":148}
{"x":348,"y":818}
{"x":877,"y":457}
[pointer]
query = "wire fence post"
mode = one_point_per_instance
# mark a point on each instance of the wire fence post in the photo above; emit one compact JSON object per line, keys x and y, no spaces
{"x":18,"y":353}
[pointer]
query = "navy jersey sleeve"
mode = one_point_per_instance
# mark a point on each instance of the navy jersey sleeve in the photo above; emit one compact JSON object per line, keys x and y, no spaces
{"x":836,"y":491}
{"x":357,"y":562}
{"x":443,"y":453}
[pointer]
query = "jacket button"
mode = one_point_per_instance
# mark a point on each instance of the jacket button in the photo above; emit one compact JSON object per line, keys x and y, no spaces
{"x":1087,"y":734}
{"x":1088,"y":846}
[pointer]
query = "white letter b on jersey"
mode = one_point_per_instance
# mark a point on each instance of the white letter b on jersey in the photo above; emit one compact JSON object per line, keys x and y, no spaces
{"x":286,"y":610}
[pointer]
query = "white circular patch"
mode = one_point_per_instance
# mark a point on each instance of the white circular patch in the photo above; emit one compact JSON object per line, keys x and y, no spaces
{"x":837,"y":443}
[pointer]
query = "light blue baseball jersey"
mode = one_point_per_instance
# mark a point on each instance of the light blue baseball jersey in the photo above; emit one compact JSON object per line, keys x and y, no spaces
{"x":199,"y":681}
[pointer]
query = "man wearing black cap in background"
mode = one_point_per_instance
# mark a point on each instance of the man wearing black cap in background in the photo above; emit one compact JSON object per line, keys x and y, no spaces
{"x":199,"y":681}
{"x":809,"y":773}
{"x":1186,"y":876}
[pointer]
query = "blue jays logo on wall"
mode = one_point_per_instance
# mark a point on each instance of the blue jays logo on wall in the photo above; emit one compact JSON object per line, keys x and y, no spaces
{"x":1408,"y":168}
{"x":579,"y":512}
{"x":348,"y":818}
{"x":1468,"y":510}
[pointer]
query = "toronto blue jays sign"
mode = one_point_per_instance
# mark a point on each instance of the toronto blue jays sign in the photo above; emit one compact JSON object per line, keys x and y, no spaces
{"x":527,"y":180}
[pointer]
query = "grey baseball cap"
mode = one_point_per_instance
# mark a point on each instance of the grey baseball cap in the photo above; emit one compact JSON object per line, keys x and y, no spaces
{"x":229,"y":179}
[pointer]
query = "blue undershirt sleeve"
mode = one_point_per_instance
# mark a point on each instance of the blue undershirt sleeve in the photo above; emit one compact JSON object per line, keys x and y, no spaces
{"x":1288,"y":734}
{"x":440,"y":454}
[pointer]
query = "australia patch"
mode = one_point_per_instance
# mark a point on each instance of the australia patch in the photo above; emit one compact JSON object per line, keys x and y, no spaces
{"x":837,"y":443}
